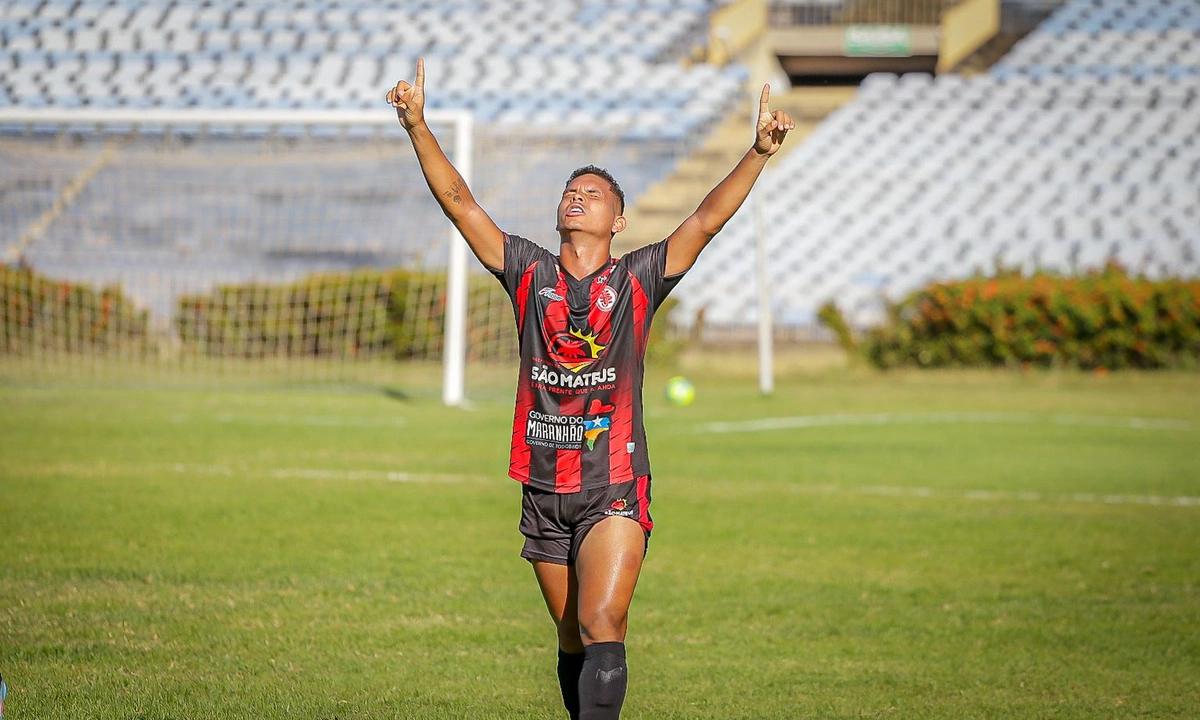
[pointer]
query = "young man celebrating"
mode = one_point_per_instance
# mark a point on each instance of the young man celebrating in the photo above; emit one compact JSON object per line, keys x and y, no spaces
{"x":578,"y":444}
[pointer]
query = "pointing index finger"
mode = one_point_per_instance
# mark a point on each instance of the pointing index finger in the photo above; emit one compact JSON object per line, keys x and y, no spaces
{"x":762,"y":100}
{"x":420,"y":81}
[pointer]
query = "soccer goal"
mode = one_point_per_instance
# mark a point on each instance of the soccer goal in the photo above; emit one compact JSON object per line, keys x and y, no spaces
{"x":302,"y":242}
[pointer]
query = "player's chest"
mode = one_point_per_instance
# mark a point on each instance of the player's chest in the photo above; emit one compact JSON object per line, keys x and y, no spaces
{"x":560,"y":300}
{"x":578,"y":319}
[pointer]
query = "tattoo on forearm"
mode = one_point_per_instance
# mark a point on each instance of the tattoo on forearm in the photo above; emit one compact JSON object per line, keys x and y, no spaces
{"x":454,"y":194}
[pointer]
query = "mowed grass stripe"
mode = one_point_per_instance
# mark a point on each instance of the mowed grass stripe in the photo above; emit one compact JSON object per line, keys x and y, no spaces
{"x":398,"y":476}
{"x":957,"y":418}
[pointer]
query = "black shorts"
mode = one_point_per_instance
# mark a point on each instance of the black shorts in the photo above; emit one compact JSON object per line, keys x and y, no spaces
{"x":554,"y":524}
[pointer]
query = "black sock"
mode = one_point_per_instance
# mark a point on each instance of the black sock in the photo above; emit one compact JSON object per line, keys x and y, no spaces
{"x":569,"y":667}
{"x":602,"y":682}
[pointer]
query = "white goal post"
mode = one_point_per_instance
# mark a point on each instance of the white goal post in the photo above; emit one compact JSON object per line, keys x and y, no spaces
{"x":96,"y":120}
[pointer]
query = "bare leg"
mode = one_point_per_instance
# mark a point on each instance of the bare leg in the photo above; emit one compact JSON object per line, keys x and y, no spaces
{"x":608,"y":566}
{"x":560,"y":589}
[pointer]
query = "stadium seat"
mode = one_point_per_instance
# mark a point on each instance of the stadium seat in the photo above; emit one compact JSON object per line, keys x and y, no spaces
{"x":466,"y":44}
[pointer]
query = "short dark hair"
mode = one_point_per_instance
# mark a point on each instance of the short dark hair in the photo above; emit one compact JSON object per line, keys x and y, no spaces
{"x":600,"y":172}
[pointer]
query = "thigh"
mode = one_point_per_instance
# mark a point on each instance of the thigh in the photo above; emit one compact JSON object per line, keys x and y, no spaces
{"x":607,"y":569}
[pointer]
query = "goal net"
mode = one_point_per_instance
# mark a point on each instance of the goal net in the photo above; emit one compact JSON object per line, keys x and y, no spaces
{"x":174,"y":246}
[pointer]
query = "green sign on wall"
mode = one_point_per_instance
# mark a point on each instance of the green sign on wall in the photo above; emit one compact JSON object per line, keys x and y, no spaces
{"x":877,"y":41}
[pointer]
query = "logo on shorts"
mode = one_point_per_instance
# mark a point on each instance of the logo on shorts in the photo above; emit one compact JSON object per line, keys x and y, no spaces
{"x":549,"y":293}
{"x":620,"y":507}
{"x":608,"y":298}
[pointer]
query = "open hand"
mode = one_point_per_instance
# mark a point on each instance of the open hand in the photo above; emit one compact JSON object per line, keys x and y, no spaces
{"x":772,"y":127}
{"x":409,"y":100}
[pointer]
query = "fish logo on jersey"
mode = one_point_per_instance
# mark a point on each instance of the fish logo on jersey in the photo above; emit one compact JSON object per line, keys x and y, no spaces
{"x":575,"y":349}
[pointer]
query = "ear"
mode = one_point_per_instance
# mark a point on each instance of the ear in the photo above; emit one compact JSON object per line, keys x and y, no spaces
{"x":618,"y":224}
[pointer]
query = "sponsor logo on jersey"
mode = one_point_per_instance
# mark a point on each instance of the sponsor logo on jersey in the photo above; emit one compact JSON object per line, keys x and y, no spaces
{"x":608,"y":298}
{"x":575,"y":349}
{"x":558,"y":432}
{"x":548,"y":292}
{"x":598,"y":423}
{"x":544,"y":375}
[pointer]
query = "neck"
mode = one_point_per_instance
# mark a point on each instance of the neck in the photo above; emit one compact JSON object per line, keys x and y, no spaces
{"x":581,"y":255}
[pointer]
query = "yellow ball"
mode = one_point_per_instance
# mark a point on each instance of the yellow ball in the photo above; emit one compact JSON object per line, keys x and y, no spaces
{"x":680,"y":391}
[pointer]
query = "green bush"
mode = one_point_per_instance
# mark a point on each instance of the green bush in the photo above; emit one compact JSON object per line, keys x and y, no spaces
{"x":362,"y":314}
{"x":39,"y":313}
{"x":358,"y":314}
{"x":661,"y":347}
{"x":832,"y":318}
{"x":1101,"y":319}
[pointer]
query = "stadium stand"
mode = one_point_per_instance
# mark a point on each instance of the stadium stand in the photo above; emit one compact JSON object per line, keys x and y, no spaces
{"x":1104,"y":39}
{"x":565,"y":66}
{"x":1082,"y":148}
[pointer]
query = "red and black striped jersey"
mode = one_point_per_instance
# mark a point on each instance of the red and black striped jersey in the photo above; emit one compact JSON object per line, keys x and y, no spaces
{"x":578,"y":420}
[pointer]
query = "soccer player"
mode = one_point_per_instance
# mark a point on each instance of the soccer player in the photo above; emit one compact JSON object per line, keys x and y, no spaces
{"x":578,"y":444}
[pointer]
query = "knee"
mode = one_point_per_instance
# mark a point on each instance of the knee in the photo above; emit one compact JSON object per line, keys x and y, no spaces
{"x":603,"y":625}
{"x":569,"y":638}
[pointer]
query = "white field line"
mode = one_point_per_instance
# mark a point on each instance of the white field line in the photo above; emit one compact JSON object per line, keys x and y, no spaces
{"x":949,"y":418}
{"x":293,"y":420}
{"x":1004,"y":495}
{"x":326,"y":474}
{"x":876,"y":490}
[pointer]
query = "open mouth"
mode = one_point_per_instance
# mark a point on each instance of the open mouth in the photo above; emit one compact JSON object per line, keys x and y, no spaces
{"x":574,"y":210}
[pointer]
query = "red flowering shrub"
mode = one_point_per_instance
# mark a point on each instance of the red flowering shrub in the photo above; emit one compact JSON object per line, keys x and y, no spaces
{"x":1101,"y":319}
{"x":40,"y":314}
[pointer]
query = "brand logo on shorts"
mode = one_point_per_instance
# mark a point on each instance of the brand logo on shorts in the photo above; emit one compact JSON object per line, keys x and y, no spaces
{"x":608,"y":298}
{"x":620,"y":507}
{"x":549,"y":293}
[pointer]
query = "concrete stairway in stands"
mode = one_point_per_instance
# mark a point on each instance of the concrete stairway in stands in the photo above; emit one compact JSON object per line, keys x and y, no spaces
{"x":666,"y":204}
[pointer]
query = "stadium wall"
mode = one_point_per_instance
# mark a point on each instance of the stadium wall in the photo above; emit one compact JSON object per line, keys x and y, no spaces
{"x":965,"y":29}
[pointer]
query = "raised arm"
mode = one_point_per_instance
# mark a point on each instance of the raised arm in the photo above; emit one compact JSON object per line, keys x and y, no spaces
{"x":684,"y":245}
{"x":447,"y":185}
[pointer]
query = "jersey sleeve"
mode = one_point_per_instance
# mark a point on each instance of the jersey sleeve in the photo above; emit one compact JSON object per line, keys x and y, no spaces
{"x":649,"y":265}
{"x":519,"y":254}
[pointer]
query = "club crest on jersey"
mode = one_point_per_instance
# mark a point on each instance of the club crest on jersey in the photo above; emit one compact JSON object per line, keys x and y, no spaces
{"x":575,"y":349}
{"x":608,"y":298}
{"x":548,"y":293}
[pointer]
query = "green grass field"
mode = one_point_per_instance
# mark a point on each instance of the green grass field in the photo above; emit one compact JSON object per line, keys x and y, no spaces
{"x":942,"y":545}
